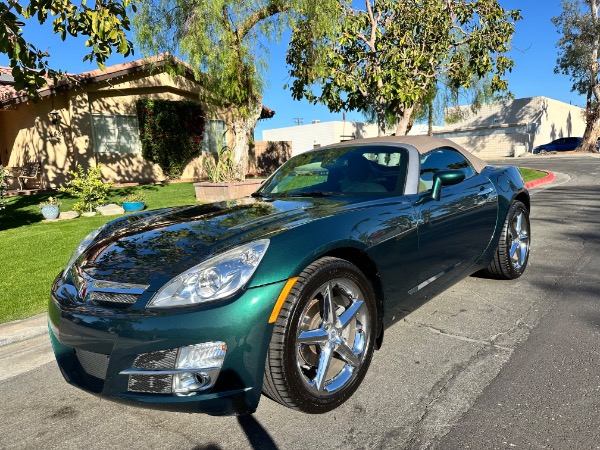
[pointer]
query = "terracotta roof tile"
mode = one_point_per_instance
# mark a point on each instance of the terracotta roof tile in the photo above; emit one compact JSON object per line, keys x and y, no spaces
{"x":9,"y":95}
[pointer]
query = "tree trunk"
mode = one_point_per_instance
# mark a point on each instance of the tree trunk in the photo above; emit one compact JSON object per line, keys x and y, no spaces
{"x":404,"y":120}
{"x":592,"y":131}
{"x":380,"y":113}
{"x":430,"y":118}
{"x":242,"y":128}
{"x":592,"y":127}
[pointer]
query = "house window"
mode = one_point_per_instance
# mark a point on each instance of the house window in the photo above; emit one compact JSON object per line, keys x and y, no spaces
{"x":215,"y":137}
{"x":116,"y":133}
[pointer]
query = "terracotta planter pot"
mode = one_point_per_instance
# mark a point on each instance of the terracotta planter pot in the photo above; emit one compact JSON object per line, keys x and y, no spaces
{"x":217,"y":192}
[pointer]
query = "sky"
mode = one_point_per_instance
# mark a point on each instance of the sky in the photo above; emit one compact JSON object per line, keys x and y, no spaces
{"x":534,"y":52}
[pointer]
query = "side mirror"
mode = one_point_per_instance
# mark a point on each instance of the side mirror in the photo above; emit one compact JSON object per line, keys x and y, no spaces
{"x":445,"y":178}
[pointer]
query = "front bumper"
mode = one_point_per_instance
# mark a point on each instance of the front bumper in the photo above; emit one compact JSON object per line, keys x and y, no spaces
{"x":94,"y":344}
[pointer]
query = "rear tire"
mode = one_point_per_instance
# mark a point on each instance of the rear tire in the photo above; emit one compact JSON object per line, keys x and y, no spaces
{"x":512,"y":254}
{"x":323,"y":339}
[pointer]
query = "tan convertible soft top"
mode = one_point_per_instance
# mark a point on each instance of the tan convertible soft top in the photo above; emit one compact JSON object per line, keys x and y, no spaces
{"x":423,"y":144}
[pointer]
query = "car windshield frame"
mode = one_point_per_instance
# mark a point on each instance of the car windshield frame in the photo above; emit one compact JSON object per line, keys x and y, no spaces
{"x":352,"y":170}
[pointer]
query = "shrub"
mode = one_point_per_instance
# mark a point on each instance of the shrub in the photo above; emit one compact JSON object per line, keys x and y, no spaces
{"x":222,"y":166}
{"x":3,"y":185}
{"x":134,"y":197}
{"x":88,"y":187}
{"x":171,"y":133}
{"x":52,"y":201}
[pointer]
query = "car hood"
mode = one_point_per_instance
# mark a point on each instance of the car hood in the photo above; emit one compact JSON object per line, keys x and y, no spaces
{"x":151,"y":248}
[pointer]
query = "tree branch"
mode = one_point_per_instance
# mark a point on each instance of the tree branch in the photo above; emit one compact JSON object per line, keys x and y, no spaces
{"x":274,"y":7}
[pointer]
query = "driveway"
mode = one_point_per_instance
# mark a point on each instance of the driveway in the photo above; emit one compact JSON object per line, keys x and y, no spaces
{"x":487,"y":364}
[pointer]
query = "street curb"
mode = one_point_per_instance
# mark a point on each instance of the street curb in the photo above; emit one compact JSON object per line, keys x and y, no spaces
{"x":541,"y":181}
{"x":22,"y":330}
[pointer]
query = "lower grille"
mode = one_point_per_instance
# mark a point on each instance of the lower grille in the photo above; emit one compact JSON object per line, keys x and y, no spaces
{"x":161,"y":360}
{"x":151,"y":384}
{"x":94,"y":364}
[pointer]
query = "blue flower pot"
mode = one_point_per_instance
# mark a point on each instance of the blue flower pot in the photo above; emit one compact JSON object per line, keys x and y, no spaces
{"x":51,"y":212}
{"x":133,"y":206}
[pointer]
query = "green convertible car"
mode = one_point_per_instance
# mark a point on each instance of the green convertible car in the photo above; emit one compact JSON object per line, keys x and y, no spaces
{"x":288,"y":292}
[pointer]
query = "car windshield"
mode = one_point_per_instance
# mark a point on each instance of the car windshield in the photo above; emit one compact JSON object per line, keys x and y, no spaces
{"x":352,"y":170}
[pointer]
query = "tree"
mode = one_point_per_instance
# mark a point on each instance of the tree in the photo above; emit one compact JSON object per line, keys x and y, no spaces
{"x":579,"y":48}
{"x":223,"y":41}
{"x":389,"y":56}
{"x":104,"y":25}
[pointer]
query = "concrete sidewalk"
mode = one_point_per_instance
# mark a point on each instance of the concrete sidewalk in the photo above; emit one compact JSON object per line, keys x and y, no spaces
{"x":24,"y":345}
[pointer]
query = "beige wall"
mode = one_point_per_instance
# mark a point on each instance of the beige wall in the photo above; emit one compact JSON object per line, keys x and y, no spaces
{"x":558,"y":120}
{"x":267,"y":156}
{"x":27,"y":132}
{"x":29,"y":135}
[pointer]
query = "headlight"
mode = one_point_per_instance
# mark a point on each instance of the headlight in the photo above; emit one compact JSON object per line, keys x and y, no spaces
{"x":82,"y":247}
{"x":214,"y":279}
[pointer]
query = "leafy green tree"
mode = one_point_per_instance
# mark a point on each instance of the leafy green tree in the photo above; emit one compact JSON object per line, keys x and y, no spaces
{"x":104,"y":25}
{"x":578,"y":57}
{"x":389,"y":56}
{"x":223,"y":41}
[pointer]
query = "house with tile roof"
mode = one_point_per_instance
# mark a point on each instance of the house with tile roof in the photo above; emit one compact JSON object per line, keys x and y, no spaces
{"x":90,"y":118}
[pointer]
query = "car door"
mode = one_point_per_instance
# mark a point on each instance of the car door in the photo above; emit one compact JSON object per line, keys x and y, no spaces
{"x":454,"y":231}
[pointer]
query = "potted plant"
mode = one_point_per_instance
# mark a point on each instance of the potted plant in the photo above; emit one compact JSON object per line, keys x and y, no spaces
{"x":225,"y":179}
{"x":133,"y":202}
{"x":88,"y":187}
{"x":50,"y":208}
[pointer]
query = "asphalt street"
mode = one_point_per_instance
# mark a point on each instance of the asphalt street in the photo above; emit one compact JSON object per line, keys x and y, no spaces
{"x":487,"y":364}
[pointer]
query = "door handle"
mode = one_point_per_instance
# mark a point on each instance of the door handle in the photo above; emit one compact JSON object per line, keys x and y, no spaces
{"x":485,"y":193}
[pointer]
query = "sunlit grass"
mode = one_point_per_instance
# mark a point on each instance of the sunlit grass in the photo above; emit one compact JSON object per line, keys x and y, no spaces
{"x":32,"y":252}
{"x":531,"y":174}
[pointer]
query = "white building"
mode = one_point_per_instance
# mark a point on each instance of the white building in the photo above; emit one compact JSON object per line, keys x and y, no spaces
{"x":514,"y":127}
{"x":318,"y":134}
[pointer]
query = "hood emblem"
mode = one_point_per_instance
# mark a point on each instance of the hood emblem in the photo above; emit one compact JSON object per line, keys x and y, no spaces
{"x":83,"y":290}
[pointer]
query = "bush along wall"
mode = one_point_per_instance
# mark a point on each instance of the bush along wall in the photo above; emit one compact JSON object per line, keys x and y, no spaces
{"x":171,"y":133}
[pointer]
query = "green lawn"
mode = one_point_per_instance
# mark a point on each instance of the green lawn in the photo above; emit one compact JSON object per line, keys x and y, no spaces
{"x":531,"y":174}
{"x":32,"y":252}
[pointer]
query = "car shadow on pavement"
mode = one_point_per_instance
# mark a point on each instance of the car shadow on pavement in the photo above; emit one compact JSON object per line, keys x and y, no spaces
{"x":258,"y":437}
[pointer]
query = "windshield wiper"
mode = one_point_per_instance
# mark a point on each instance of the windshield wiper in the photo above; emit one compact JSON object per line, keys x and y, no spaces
{"x":314,"y":194}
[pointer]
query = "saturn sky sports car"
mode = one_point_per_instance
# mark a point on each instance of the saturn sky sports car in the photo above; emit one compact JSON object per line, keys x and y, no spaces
{"x":288,"y":292}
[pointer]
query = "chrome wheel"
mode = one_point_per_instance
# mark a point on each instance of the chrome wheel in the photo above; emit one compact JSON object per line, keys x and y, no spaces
{"x":512,"y":253}
{"x":519,"y":234}
{"x":323,"y":338}
{"x":332,"y":336}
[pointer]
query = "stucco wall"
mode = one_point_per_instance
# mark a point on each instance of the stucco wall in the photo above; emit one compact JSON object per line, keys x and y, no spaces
{"x":558,"y":120}
{"x":29,"y":135}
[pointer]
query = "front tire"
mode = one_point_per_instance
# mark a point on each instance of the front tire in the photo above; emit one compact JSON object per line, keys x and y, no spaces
{"x":323,"y":339}
{"x":512,"y":254}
